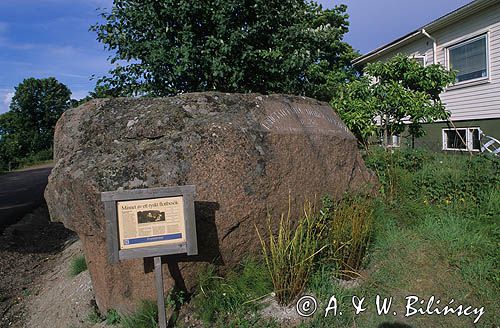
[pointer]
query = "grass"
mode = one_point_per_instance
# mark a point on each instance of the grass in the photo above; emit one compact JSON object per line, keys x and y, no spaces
{"x":78,"y":265}
{"x":349,"y":224}
{"x":434,"y":231}
{"x":94,"y":317}
{"x":113,"y":317}
{"x":220,"y":300}
{"x":146,"y":316}
{"x":289,"y":255}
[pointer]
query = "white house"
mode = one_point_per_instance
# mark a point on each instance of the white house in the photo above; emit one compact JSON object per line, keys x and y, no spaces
{"x":466,"y":40}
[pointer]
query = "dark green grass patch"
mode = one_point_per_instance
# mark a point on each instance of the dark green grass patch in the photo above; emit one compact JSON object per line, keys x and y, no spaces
{"x":78,"y":265}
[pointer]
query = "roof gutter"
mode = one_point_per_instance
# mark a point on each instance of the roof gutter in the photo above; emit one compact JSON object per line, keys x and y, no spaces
{"x":434,"y":45}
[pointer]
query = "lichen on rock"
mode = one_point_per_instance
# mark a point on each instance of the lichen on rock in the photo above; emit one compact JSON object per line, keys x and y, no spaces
{"x":247,"y":155}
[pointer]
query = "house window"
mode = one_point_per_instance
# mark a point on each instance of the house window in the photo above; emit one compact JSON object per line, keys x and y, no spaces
{"x":420,"y":60}
{"x":461,"y":139}
{"x":393,"y":140}
{"x":469,"y":59}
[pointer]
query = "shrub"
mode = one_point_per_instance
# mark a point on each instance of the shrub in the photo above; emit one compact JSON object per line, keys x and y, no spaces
{"x":39,"y":156}
{"x":78,"y":265}
{"x":455,"y":178}
{"x":391,"y":167}
{"x":289,"y":256}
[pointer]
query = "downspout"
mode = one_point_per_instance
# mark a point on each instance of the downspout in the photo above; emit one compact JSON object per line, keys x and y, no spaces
{"x":434,"y":51}
{"x":434,"y":46}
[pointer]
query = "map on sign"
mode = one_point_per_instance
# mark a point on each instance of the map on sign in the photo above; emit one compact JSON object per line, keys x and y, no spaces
{"x":151,"y":222}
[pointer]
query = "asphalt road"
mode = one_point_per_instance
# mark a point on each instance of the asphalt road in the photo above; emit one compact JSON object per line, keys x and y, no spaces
{"x":20,"y":193}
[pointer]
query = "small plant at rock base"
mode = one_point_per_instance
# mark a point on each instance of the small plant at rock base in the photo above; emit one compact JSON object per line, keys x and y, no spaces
{"x":94,"y":317}
{"x":146,"y":316}
{"x":78,"y":265}
{"x":289,"y":255}
{"x":225,"y":299}
{"x":350,"y":226}
{"x":112,"y":317}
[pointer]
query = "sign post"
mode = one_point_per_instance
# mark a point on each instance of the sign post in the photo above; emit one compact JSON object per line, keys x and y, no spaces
{"x":151,"y":223}
{"x":160,"y":297}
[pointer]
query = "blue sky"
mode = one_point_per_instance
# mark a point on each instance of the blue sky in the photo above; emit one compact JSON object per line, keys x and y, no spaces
{"x":43,"y":38}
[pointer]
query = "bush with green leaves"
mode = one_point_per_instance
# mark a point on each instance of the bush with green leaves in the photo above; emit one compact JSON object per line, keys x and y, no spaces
{"x":391,"y":93}
{"x":163,"y":48}
{"x":392,"y":167}
{"x":433,"y":177}
{"x":455,"y":178}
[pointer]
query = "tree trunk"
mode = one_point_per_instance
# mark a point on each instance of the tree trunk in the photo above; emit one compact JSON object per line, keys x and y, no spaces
{"x":386,"y":132}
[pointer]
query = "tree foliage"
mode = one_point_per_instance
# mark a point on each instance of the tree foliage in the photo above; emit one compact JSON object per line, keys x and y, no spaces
{"x":165,"y":47}
{"x":28,"y":127}
{"x":398,"y":93}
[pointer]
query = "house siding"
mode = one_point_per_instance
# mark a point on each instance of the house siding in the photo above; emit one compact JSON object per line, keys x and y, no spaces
{"x":434,"y":132}
{"x":473,"y":101}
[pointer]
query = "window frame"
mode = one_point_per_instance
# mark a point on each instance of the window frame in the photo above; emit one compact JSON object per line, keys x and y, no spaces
{"x":423,"y":57}
{"x":395,"y":141}
{"x":469,"y":142}
{"x":461,"y":43}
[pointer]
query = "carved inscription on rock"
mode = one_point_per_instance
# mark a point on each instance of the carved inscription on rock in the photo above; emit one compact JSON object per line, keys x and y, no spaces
{"x":297,"y":118}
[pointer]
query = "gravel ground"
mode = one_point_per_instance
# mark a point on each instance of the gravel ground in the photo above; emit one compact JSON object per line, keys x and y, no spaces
{"x":28,"y":250}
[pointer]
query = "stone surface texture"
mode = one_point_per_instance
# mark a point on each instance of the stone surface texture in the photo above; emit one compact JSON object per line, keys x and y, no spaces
{"x":247,"y":155}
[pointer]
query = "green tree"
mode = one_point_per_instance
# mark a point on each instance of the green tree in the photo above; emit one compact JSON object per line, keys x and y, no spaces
{"x":397,"y":93}
{"x":165,"y":47}
{"x":10,"y":145}
{"x":29,"y":125}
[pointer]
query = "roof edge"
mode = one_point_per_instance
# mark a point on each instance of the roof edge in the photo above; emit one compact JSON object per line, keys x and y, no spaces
{"x":467,"y":10}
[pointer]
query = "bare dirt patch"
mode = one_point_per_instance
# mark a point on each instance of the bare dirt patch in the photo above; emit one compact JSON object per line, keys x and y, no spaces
{"x":27,"y":251}
{"x":62,"y":301}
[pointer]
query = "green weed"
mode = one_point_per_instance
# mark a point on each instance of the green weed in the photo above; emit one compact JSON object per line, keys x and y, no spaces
{"x":78,"y":265}
{"x":229,"y":299}
{"x":146,"y":316}
{"x":113,"y":317}
{"x":289,"y":256}
{"x":349,"y":225}
{"x":94,"y":317}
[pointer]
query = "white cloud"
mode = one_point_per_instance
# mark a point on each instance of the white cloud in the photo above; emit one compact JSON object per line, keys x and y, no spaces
{"x":5,"y":98}
{"x":79,"y":94}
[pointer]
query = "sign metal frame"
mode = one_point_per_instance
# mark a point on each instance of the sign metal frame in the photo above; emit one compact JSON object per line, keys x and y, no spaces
{"x":189,"y":246}
{"x":111,"y":198}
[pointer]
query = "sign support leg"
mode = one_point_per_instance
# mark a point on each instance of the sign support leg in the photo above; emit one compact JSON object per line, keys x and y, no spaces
{"x":160,"y":298}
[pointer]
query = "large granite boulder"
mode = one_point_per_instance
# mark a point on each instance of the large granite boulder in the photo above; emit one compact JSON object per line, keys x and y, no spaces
{"x":247,"y":154}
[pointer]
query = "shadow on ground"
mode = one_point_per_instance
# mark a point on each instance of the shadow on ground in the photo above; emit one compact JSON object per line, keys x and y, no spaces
{"x":25,"y":247}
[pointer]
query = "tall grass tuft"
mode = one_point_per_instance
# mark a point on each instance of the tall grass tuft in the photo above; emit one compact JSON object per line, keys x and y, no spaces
{"x":350,"y":226}
{"x":78,"y":265}
{"x":289,"y":255}
{"x":233,"y":296}
{"x":146,"y":316}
